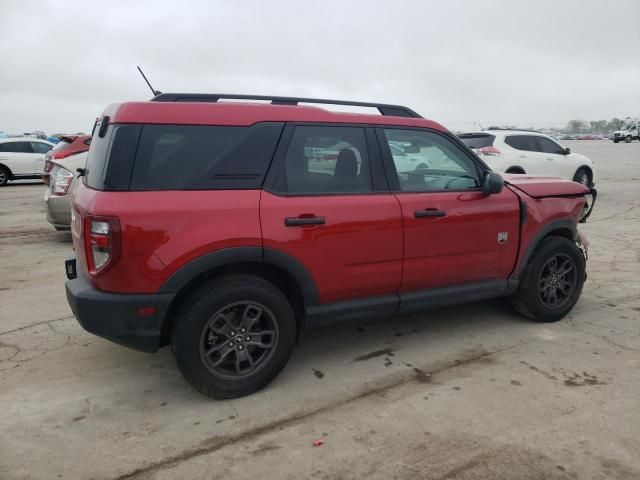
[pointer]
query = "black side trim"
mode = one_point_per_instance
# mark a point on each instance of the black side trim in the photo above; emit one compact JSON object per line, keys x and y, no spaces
{"x":455,"y":294}
{"x":330,"y":313}
{"x":233,"y":255}
{"x":562,"y":224}
{"x":389,"y":305}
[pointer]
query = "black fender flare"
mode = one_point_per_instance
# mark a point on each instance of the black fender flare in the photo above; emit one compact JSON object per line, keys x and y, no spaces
{"x":233,"y":255}
{"x":560,"y":224}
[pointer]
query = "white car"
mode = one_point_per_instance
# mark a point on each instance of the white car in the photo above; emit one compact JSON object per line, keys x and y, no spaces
{"x":22,"y":158}
{"x":527,"y":152}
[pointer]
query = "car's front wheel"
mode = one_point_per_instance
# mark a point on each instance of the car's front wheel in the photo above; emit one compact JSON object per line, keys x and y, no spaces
{"x":552,"y":280}
{"x":233,"y":336}
{"x":583,"y":176}
{"x":628,"y":139}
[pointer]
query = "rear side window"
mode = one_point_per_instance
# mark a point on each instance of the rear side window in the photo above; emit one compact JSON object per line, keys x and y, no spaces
{"x":181,"y":157}
{"x":522,"y":142}
{"x":188,"y":157}
{"x":39,"y":147}
{"x":477,"y":140}
{"x":8,"y":147}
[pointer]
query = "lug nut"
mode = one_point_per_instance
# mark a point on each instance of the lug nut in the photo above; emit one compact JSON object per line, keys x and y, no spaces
{"x":242,"y":330}
{"x":230,"y":344}
{"x":240,"y":347}
{"x":232,"y":333}
{"x":247,"y":338}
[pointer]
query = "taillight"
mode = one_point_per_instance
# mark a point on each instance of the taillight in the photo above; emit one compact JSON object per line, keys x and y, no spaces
{"x":45,"y":172}
{"x":489,"y":151}
{"x":102,"y":243}
{"x":61,"y":181}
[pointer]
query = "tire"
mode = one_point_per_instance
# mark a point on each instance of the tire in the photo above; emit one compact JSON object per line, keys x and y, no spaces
{"x":210,"y":320}
{"x":4,"y":176}
{"x":627,"y":139}
{"x":515,"y":171}
{"x":533,"y":297}
{"x":615,"y":140}
{"x":583,"y":176}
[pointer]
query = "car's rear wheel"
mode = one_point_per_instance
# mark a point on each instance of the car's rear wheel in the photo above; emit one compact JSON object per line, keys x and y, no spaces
{"x":4,"y":176}
{"x":583,"y":176}
{"x":552,"y":280}
{"x":615,"y":140}
{"x":233,"y":336}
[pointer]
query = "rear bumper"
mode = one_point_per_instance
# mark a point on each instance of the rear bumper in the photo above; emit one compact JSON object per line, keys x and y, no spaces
{"x":58,"y":209}
{"x":114,"y":316}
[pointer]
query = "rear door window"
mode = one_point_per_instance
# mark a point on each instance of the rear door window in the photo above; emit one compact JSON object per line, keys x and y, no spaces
{"x":477,"y":140}
{"x":327,"y":159}
{"x":522,"y":142}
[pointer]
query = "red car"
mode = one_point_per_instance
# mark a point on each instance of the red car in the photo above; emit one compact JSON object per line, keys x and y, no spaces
{"x":67,"y":146}
{"x":227,"y":228}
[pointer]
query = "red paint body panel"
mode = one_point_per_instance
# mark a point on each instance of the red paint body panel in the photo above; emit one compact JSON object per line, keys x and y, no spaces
{"x":356,"y":253}
{"x":78,"y":145}
{"x":461,"y":246}
{"x":230,"y":113}
{"x":540,"y":187}
{"x":163,"y":230}
{"x":541,"y":212}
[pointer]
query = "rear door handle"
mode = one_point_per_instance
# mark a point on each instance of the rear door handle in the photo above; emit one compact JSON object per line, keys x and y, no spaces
{"x":429,"y":213}
{"x":299,"y":221}
{"x":549,"y":159}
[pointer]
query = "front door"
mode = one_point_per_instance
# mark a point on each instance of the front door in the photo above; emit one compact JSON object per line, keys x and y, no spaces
{"x":558,"y":163}
{"x":453,"y":232}
{"x":326,"y":204}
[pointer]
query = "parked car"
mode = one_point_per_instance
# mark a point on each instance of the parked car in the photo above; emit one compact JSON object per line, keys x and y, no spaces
{"x":63,"y":181}
{"x":531,"y":153}
{"x":68,"y":146}
{"x":630,"y":130}
{"x":21,"y":158}
{"x":201,"y":225}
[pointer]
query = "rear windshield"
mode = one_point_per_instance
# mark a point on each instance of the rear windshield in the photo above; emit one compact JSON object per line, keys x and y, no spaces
{"x":477,"y":140}
{"x":181,"y":157}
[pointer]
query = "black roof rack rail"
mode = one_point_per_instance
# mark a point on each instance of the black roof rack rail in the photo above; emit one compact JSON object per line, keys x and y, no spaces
{"x":514,"y":129}
{"x":384,"y":109}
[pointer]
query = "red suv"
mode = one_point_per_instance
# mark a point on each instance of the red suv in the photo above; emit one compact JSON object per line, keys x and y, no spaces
{"x":227,"y":228}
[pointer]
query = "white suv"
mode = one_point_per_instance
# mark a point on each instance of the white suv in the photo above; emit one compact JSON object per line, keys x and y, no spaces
{"x":22,"y":158}
{"x":521,"y":151}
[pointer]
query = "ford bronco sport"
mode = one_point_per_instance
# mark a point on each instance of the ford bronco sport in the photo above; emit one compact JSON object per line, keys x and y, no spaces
{"x":225,"y":228}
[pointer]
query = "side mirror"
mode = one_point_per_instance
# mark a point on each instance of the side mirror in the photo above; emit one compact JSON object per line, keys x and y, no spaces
{"x":567,"y":151}
{"x":492,"y":183}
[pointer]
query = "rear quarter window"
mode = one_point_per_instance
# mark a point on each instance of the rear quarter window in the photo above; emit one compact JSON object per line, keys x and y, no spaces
{"x":477,"y":140}
{"x":181,"y":157}
{"x":193,"y":157}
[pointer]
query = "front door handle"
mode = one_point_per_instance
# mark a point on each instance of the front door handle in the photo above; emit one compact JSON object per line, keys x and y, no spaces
{"x":429,"y":213}
{"x":300,"y":221}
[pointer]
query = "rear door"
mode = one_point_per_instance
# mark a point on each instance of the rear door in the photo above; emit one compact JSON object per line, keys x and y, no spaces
{"x":557,"y":162}
{"x":326,"y":204}
{"x":528,"y":155}
{"x":453,"y":232}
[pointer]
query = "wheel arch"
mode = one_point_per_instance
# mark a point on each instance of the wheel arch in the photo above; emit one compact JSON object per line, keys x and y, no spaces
{"x":278,"y":268}
{"x":516,"y":169}
{"x":563,"y":227}
{"x":6,"y":167}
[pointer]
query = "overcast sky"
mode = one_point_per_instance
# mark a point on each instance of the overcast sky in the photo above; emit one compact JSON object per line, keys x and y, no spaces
{"x":493,"y":62}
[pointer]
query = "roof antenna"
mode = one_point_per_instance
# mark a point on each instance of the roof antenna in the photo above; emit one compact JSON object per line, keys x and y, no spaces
{"x":155,"y":92}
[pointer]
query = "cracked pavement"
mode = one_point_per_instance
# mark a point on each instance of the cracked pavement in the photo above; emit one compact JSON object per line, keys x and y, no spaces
{"x":469,"y":392}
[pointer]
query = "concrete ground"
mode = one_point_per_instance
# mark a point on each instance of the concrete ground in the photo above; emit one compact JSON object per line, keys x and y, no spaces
{"x":472,"y":392}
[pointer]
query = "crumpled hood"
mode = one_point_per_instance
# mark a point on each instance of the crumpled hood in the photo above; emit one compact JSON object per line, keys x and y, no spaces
{"x":541,"y":187}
